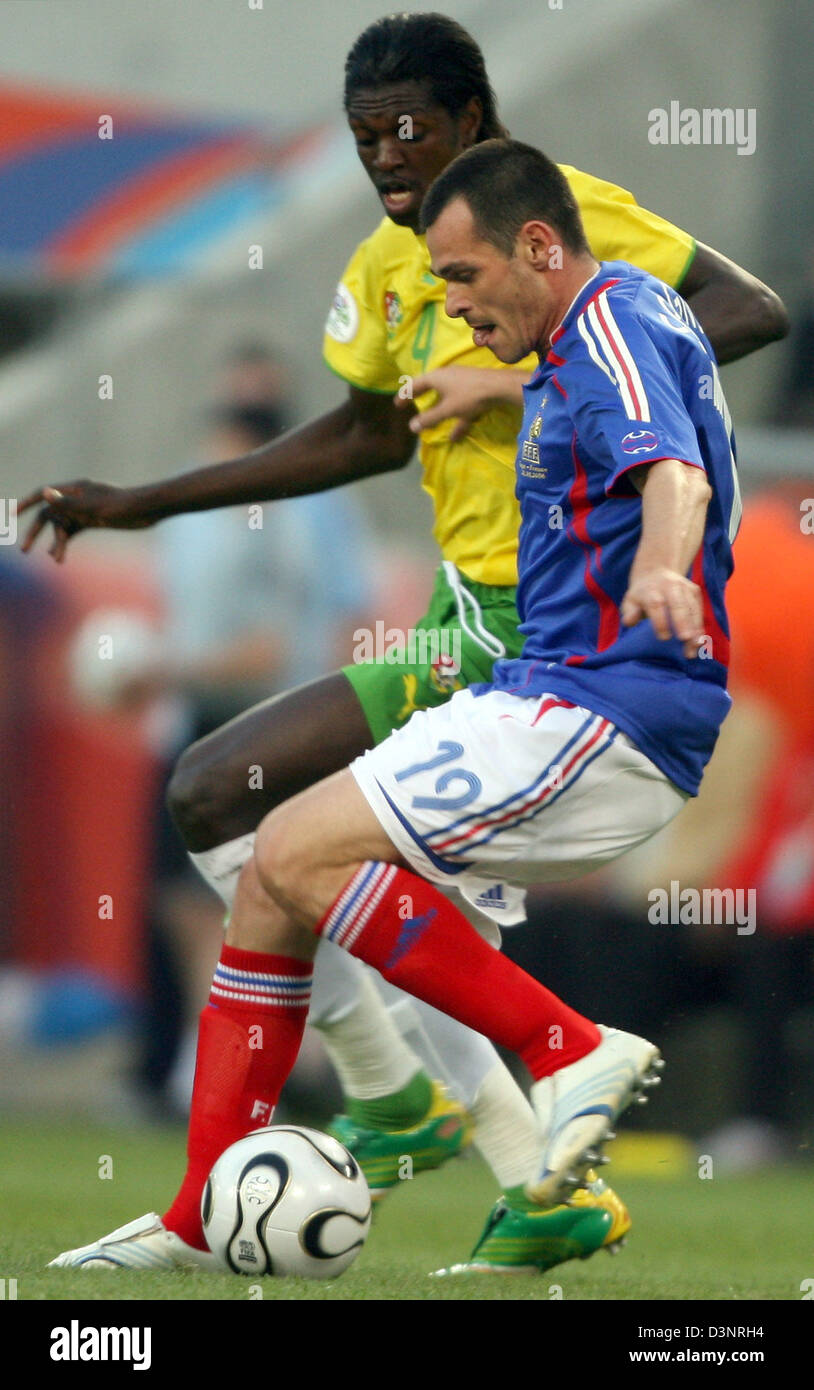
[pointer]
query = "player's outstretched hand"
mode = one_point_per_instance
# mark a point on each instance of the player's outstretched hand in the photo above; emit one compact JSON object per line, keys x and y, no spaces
{"x":464,"y":393}
{"x":671,"y":602}
{"x":74,"y":507}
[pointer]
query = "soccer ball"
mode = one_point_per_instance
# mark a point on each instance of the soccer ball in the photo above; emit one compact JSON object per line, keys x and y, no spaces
{"x":286,"y":1201}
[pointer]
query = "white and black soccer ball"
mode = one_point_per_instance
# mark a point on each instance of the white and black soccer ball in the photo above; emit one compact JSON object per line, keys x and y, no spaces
{"x":286,"y":1200}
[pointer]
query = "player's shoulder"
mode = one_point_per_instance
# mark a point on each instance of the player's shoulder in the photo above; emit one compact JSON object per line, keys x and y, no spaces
{"x":388,"y":247}
{"x":613,"y":293}
{"x":624,"y":315}
{"x":385,"y":257}
{"x":652,"y":307}
{"x":578,"y":178}
{"x":590,"y":188}
{"x":630,"y":299}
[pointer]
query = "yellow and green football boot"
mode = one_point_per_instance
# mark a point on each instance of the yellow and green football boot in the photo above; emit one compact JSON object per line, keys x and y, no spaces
{"x":387,"y":1156}
{"x":514,"y":1241}
{"x":596,"y":1193}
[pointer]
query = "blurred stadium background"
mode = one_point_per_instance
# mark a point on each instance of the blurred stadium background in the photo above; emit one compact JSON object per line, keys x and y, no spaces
{"x":131,"y":261}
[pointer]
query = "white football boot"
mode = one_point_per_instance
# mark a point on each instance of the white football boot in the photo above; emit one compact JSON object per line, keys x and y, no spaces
{"x":142,"y":1244}
{"x":577,"y":1106}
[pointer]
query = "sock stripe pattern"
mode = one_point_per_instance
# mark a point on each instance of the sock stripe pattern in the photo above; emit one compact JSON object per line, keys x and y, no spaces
{"x":417,"y":939}
{"x":357,"y":903}
{"x":254,"y":988}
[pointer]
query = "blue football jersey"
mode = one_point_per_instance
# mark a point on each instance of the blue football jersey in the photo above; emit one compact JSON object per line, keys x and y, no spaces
{"x":630,"y":379}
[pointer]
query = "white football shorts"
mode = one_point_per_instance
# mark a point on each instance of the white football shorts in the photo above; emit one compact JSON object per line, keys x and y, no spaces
{"x":490,"y":793}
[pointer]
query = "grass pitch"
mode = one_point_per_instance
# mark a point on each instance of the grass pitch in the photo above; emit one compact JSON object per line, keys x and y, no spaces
{"x":726,"y":1238}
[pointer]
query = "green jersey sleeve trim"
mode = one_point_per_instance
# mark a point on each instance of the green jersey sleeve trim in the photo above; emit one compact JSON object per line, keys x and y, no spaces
{"x":685,"y":271}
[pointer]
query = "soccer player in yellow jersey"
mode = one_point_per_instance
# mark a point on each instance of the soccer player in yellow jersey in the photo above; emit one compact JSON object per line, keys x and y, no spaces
{"x":416,"y":94}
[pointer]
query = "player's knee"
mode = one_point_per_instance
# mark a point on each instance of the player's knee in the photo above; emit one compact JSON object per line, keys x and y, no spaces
{"x":197,"y":797}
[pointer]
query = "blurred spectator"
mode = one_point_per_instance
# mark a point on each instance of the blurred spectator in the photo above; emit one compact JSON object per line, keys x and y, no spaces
{"x":253,"y":374}
{"x":257,"y":600}
{"x":254,"y":601}
{"x":28,"y":605}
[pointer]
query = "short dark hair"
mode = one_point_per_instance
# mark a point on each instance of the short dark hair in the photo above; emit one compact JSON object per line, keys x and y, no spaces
{"x":505,"y":185}
{"x":428,"y":48}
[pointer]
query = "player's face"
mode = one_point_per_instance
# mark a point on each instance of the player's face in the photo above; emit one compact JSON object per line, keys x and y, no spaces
{"x":504,"y":301}
{"x":405,"y":140}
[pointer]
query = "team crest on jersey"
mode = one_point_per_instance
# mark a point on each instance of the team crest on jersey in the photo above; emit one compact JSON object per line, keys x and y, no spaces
{"x":529,"y":461}
{"x":343,"y":318}
{"x":444,"y":674}
{"x":393,"y":312}
{"x":640,"y":442}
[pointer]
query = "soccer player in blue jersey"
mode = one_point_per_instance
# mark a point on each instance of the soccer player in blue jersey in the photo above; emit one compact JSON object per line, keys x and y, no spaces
{"x":578,"y":750}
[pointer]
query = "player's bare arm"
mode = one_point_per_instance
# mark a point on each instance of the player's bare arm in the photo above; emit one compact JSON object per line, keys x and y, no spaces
{"x":363,"y":436}
{"x":738,"y":313}
{"x":675,"y":497}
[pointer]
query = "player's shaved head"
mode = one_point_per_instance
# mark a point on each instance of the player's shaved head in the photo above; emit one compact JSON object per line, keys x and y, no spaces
{"x":431,"y":49}
{"x":505,"y":185}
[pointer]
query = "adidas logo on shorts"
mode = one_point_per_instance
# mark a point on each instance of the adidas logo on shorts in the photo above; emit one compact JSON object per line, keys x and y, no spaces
{"x":493,"y":897}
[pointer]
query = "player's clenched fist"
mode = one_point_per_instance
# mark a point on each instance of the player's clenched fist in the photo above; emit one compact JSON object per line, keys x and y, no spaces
{"x":73,"y":507}
{"x":671,"y":602}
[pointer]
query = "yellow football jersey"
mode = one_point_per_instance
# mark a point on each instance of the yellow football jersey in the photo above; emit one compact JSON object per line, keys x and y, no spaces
{"x":387,"y":323}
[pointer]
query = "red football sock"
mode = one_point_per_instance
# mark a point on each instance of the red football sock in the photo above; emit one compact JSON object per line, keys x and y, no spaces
{"x":250,"y":1034}
{"x":416,"y":938}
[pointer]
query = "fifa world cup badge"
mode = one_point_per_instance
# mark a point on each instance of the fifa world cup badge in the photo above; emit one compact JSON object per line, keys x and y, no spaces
{"x":343,"y":318}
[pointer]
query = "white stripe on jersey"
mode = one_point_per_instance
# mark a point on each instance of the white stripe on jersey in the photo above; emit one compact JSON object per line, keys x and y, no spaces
{"x":613,"y":330}
{"x":616,"y":370}
{"x":591,"y":346}
{"x":616,"y":352}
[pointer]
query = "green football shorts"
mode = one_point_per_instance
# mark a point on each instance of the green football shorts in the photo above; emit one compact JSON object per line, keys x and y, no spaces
{"x":466,"y":628}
